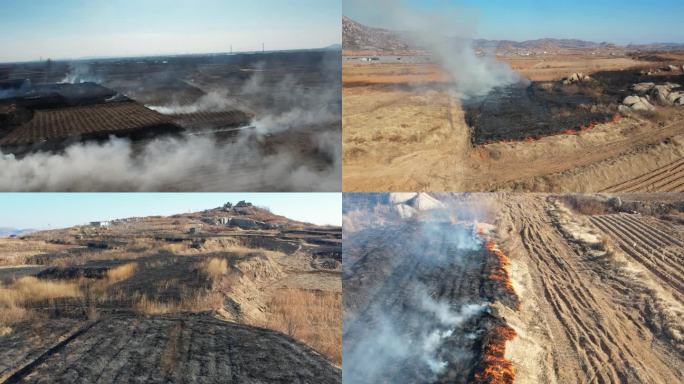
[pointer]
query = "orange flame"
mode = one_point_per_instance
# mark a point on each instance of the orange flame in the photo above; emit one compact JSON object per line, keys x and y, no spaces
{"x":500,"y":271}
{"x":497,"y":369}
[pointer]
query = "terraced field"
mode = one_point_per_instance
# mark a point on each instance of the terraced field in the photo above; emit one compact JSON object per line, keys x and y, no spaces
{"x":184,"y":298}
{"x":95,"y":121}
{"x":669,"y":178}
{"x":660,"y":253}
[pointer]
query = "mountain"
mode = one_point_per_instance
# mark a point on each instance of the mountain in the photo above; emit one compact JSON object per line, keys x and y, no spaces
{"x":359,"y":37}
{"x":8,"y":231}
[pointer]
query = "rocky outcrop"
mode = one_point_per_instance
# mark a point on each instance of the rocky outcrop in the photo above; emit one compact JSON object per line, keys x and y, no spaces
{"x":648,"y":94}
{"x":577,"y":78}
{"x":636,"y":103}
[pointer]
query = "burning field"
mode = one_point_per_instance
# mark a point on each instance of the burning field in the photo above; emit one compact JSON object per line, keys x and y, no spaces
{"x":422,"y":297}
{"x":512,"y":288}
{"x":232,"y":292}
{"x":422,"y":112}
{"x":223,"y":122}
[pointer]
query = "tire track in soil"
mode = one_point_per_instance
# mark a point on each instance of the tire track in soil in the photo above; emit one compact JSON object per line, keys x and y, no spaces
{"x":595,"y":341}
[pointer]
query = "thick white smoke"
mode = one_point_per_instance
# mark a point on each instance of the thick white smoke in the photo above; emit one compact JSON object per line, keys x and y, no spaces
{"x":396,"y":325}
{"x":214,"y":101}
{"x":447,"y":36}
{"x":200,"y":163}
{"x":389,"y":343}
{"x":190,"y":163}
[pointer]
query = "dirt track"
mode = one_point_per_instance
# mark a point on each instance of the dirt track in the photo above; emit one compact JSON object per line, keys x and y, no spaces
{"x":594,"y":321}
{"x":190,"y":348}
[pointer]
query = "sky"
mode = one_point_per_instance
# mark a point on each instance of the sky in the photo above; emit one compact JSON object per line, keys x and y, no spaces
{"x":60,"y":210}
{"x":63,"y":29}
{"x":617,"y":21}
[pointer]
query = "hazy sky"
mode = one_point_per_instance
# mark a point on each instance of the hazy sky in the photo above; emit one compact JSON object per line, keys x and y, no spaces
{"x":619,"y":21}
{"x":30,"y":29}
{"x":59,"y":210}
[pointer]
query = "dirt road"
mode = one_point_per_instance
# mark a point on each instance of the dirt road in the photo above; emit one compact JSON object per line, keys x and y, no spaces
{"x":592,"y":320}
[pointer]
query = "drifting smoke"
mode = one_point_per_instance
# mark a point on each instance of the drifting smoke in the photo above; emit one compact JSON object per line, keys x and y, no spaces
{"x":211,"y":102}
{"x":200,"y":163}
{"x":406,"y":327}
{"x":388,"y":343}
{"x":447,"y":36}
{"x":189,"y":163}
{"x":80,"y":73}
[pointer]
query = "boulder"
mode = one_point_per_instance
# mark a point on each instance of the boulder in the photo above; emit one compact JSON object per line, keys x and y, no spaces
{"x":637,"y":103}
{"x":577,"y":78}
{"x":672,"y":68}
{"x":674,"y":97}
{"x":643,"y":88}
{"x":660,"y":93}
{"x":401,"y":197}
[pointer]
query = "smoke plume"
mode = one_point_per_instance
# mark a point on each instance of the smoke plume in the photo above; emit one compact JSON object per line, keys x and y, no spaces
{"x":447,"y":35}
{"x":388,"y":343}
{"x":190,"y":163}
{"x":80,"y":72}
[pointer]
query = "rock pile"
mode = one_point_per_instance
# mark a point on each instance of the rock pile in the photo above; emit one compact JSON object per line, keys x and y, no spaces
{"x":647,"y":94}
{"x":577,"y":78}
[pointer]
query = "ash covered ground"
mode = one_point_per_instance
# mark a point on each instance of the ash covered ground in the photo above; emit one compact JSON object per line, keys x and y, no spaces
{"x":419,"y":294}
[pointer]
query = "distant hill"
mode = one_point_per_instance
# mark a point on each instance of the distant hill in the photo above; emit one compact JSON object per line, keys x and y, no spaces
{"x":359,"y":37}
{"x":356,"y":36}
{"x":8,"y":232}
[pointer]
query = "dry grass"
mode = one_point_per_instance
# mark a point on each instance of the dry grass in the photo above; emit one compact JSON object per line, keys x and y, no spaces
{"x":313,"y":317}
{"x":122,"y":272}
{"x":215,"y":268}
{"x":586,"y":205}
{"x":198,"y":302}
{"x":31,"y":289}
{"x":14,"y":298}
{"x":21,"y":252}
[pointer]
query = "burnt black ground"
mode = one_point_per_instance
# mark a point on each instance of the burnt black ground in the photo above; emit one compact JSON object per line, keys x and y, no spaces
{"x":176,"y":349}
{"x":543,"y":108}
{"x":388,"y":267}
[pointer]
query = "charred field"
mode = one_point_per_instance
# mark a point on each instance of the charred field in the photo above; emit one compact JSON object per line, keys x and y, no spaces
{"x":527,"y":112}
{"x":512,"y":288}
{"x":260,"y":113}
{"x":233,"y":293}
